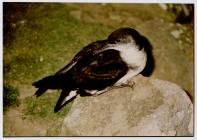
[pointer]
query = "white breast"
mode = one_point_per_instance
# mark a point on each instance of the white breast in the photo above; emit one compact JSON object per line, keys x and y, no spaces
{"x":131,"y":55}
{"x":134,"y":58}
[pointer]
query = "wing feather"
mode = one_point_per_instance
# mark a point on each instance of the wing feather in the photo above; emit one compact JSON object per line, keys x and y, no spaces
{"x":102,"y":70}
{"x":86,"y":52}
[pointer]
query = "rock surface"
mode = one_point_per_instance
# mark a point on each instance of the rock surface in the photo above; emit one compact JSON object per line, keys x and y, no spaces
{"x":173,"y":52}
{"x":151,"y":107}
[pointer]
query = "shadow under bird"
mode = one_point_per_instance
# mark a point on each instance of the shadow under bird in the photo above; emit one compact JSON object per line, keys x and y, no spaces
{"x":100,"y":66}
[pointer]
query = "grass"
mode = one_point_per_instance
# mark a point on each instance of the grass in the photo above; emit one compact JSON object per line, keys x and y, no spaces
{"x":10,"y":96}
{"x":44,"y":45}
{"x":45,"y":39}
{"x":43,"y":106}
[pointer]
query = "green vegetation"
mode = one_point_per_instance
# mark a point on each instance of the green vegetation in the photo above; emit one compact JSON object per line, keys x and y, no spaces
{"x":43,"y":106}
{"x":43,"y":44}
{"x":44,"y":39}
{"x":10,"y":96}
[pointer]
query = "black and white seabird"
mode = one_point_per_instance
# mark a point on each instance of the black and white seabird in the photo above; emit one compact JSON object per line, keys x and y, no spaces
{"x":98,"y":66}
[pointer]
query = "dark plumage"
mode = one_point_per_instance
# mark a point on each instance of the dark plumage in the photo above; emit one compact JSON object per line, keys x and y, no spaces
{"x":96,"y":67}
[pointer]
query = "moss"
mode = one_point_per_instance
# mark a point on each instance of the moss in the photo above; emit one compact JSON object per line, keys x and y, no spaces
{"x":42,"y":107}
{"x":10,"y":96}
{"x":52,"y":37}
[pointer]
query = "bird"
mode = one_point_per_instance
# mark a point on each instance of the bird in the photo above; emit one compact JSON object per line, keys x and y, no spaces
{"x":98,"y":67}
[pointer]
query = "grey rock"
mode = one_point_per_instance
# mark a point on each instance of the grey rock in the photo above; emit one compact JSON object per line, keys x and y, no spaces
{"x":151,"y":107}
{"x":174,"y":57}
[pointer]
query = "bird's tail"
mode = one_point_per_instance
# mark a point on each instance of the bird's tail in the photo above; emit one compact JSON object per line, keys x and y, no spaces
{"x":66,"y":96}
{"x":57,"y":82}
{"x":49,"y":82}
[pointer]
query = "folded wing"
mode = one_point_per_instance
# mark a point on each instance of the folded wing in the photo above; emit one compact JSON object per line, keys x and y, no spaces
{"x":86,"y":52}
{"x":100,"y":71}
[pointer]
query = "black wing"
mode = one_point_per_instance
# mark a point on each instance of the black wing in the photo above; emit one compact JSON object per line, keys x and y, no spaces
{"x":86,"y":52}
{"x":100,"y":71}
{"x":64,"y":76}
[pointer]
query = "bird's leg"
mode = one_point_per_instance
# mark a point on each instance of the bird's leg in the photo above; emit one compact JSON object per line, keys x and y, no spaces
{"x":125,"y":84}
{"x":98,"y":92}
{"x":128,"y":84}
{"x":103,"y":91}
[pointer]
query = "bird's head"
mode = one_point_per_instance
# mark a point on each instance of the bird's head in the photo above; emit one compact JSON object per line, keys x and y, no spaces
{"x":125,"y":35}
